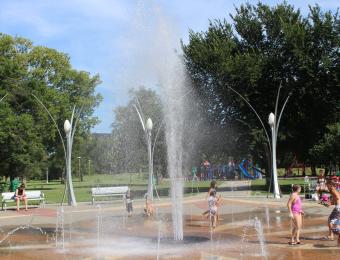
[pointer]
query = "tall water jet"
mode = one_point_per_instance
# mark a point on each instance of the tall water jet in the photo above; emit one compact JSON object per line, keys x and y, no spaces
{"x":173,"y":87}
{"x":155,"y":42}
{"x":170,"y":73}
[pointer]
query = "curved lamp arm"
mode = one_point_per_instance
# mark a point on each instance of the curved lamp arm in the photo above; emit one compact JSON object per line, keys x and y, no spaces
{"x":140,"y":117}
{"x":279,"y":119}
{"x":277,"y":102}
{"x":55,"y":123}
{"x":3,"y":97}
{"x":77,"y":120}
{"x":252,"y":108}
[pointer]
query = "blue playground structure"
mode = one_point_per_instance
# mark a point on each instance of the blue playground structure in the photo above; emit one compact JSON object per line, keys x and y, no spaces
{"x":244,"y":165}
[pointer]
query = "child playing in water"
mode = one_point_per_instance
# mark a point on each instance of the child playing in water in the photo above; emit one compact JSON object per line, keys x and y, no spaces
{"x":321,"y":183}
{"x":128,"y":202}
{"x":295,"y":213}
{"x":334,"y":217}
{"x":324,"y":200}
{"x":212,"y":188}
{"x":212,"y":203}
{"x":148,"y":209}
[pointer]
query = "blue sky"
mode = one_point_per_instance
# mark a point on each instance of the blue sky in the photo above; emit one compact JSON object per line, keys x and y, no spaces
{"x":98,"y":35}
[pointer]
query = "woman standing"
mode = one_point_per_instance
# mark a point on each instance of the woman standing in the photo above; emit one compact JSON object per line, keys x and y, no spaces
{"x":295,"y":213}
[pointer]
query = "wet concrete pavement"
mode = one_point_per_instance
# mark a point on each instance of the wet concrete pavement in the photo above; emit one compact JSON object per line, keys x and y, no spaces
{"x":107,"y":233}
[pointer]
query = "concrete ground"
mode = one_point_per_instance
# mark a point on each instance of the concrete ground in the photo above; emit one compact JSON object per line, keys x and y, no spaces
{"x":233,"y":238}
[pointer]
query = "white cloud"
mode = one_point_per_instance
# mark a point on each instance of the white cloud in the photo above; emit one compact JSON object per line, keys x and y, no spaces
{"x":52,"y":18}
{"x":26,"y":15}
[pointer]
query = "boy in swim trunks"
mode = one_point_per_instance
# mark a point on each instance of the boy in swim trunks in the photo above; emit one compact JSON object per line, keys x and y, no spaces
{"x":334,"y":217}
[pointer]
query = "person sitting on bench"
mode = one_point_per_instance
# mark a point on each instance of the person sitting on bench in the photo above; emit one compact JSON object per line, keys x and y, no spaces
{"x":20,"y":195}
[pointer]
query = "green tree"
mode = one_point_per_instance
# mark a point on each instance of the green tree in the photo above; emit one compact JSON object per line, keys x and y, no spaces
{"x":263,"y":48}
{"x":129,"y":139}
{"x":29,"y":141}
{"x":101,"y":150}
{"x":327,"y":150}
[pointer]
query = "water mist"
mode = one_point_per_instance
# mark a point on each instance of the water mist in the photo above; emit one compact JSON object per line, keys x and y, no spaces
{"x":172,"y":81}
{"x":154,"y":46}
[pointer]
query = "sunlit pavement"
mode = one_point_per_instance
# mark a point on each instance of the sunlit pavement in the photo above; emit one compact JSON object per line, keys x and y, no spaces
{"x":107,"y":223}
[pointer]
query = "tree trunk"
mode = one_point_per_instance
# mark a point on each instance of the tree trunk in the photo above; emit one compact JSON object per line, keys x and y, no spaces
{"x":268,"y":170}
{"x":304,"y":169}
{"x":313,"y":168}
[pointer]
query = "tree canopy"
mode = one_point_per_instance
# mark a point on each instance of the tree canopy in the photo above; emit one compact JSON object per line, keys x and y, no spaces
{"x":28,"y":138}
{"x":125,"y":149}
{"x":262,"y":48}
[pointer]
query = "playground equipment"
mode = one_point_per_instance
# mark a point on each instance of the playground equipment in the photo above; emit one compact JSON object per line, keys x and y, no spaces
{"x":245,"y":165}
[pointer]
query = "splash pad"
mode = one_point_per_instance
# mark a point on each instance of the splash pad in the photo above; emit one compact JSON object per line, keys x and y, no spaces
{"x":248,"y":229}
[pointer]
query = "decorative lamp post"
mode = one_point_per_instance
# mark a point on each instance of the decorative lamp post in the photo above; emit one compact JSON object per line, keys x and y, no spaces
{"x":69,"y":130}
{"x":69,"y":139}
{"x":80,"y":173}
{"x":272,"y":123}
{"x":148,"y":129}
{"x":89,"y":166}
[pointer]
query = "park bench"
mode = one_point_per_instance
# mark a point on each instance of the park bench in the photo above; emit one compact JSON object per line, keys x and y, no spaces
{"x":31,"y":195}
{"x":108,"y":192}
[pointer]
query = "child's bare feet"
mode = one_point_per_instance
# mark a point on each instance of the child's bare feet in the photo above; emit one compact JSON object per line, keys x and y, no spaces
{"x":329,"y":238}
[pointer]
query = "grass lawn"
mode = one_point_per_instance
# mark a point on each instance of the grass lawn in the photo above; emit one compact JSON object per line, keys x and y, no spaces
{"x":54,"y":190}
{"x":259,"y":186}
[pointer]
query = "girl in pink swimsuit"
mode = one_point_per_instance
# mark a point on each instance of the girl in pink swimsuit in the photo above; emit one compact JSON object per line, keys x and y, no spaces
{"x":295,"y":213}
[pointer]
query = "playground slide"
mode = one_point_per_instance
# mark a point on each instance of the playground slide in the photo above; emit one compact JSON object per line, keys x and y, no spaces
{"x":245,"y":172}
